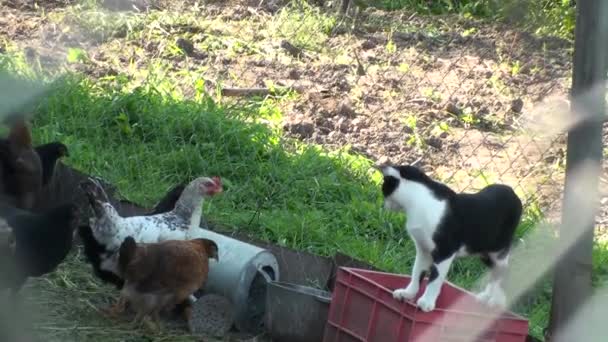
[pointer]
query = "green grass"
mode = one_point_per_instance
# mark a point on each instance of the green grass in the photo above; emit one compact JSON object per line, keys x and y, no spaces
{"x":544,"y":17}
{"x":145,"y":142}
{"x":306,"y":26}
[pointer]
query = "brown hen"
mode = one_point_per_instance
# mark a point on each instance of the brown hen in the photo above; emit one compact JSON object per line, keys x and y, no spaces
{"x":22,"y":167}
{"x":160,"y":275}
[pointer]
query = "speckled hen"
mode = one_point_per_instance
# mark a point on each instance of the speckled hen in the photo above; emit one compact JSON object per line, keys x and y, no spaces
{"x":181,"y":223}
{"x":98,"y":255}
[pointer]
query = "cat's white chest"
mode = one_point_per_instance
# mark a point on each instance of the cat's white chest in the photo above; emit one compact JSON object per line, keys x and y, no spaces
{"x":423,"y":220}
{"x":423,"y":209}
{"x":426,"y":216}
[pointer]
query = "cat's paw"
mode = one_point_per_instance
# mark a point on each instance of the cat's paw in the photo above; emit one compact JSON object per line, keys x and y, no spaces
{"x":497,"y":299}
{"x":405,"y":294}
{"x":484,"y":295}
{"x":426,"y":304}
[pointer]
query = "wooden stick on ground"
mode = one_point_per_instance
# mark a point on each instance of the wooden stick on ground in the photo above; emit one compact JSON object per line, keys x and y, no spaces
{"x":259,"y":91}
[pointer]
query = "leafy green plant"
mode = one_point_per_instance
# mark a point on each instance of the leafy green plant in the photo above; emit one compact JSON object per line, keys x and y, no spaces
{"x":515,"y":68}
{"x":404,"y":67}
{"x":440,"y":128}
{"x":77,"y":55}
{"x":98,"y":24}
{"x":468,"y":118}
{"x":303,"y":25}
{"x":469,"y":32}
{"x":431,"y":94}
{"x":414,"y":139}
{"x":390,"y":44}
{"x":544,"y":17}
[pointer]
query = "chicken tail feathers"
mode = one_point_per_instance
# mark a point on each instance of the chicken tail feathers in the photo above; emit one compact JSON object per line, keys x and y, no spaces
{"x":96,"y":205}
{"x":126,"y":252}
{"x":101,"y":192}
{"x":95,"y":195}
{"x":93,"y":189}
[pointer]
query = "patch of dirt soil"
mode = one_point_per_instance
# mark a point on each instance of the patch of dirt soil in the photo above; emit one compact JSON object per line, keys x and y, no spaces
{"x":451,"y":100}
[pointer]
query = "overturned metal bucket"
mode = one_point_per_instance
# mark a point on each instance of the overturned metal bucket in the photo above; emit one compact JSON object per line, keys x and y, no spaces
{"x":296,"y":313}
{"x":241,"y":275}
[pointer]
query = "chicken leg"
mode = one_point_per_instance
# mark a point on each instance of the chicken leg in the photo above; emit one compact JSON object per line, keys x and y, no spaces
{"x":117,"y":308}
{"x":158,"y":326}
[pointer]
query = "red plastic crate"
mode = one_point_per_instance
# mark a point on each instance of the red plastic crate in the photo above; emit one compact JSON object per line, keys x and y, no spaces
{"x":363,"y":309}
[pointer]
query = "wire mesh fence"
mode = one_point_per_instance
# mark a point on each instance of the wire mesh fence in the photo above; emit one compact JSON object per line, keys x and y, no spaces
{"x":249,"y":89}
{"x":452,"y":95}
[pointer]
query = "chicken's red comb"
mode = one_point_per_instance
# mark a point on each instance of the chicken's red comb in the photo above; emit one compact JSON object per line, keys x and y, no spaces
{"x":217,"y":180}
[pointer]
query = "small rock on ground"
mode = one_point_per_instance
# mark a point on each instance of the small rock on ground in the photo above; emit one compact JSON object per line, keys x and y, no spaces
{"x":212,"y":315}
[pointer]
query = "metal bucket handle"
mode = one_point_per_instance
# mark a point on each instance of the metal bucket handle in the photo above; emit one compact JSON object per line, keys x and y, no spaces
{"x":326,"y":300}
{"x":264,"y":274}
{"x":322,"y":299}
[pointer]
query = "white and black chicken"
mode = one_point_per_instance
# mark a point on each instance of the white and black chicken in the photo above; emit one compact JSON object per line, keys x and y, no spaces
{"x":98,"y":255}
{"x":182,"y":223}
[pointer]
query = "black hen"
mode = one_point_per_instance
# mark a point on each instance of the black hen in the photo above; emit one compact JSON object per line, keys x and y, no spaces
{"x":167,"y":203}
{"x":37,"y":244}
{"x":49,"y":154}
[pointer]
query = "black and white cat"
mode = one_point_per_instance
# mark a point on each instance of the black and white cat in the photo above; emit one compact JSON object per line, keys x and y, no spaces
{"x":445,"y":225}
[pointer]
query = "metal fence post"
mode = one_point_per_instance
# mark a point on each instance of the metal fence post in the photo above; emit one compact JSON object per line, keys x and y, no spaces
{"x":572,"y":280}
